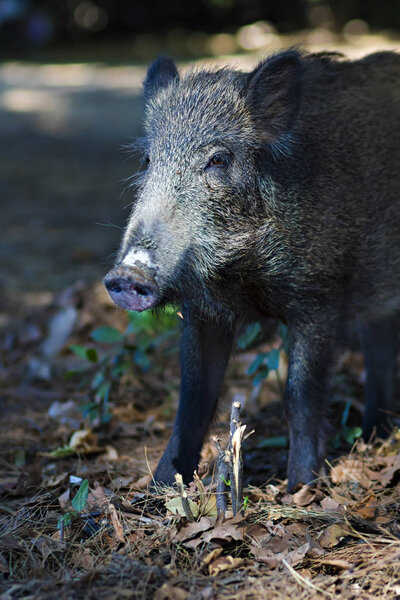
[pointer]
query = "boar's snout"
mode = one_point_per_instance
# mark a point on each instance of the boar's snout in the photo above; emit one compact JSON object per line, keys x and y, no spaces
{"x":131,"y":288}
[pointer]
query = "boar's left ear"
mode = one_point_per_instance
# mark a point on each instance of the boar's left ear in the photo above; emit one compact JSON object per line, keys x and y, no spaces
{"x":273,"y":94}
{"x":160,"y":74}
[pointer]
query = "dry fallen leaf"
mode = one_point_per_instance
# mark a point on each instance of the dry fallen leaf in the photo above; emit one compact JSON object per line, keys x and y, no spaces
{"x":55,"y":480}
{"x":304,"y":496}
{"x":351,"y":469}
{"x":224,"y":563}
{"x":333,"y":534}
{"x":267,"y":557}
{"x":64,"y":499}
{"x":86,"y":560}
{"x":295,"y":556}
{"x":119,"y":532}
{"x":213,"y":555}
{"x":227,"y":530}
{"x":342,"y":501}
{"x":256,"y":533}
{"x":192,"y":529}
{"x":170,"y":592}
{"x":339,"y":563}
{"x":111,"y":454}
{"x":387,"y":474}
{"x":330,"y":504}
{"x":208,"y":506}
{"x":84,"y":442}
{"x":175,"y":506}
{"x":367,"y":507}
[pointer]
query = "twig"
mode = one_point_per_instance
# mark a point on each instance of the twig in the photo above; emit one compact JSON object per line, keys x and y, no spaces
{"x":235,"y":459}
{"x":237,"y":469}
{"x":184,"y":498}
{"x":235,"y":419}
{"x":222,"y":476}
{"x":62,"y":528}
{"x":230,"y":463}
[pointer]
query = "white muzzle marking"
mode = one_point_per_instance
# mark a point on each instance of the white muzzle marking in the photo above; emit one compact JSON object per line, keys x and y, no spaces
{"x":133,"y":257}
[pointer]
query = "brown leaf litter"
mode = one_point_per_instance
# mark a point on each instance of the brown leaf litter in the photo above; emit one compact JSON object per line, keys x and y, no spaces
{"x":338,"y":539}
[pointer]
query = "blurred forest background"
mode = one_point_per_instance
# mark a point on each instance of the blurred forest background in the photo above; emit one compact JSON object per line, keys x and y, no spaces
{"x":28,"y":25}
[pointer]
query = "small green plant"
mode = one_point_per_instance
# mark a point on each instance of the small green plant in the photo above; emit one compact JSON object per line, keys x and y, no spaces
{"x":78,"y":504}
{"x":265,"y":362}
{"x":144,"y":333}
{"x":346,"y":433}
{"x":246,"y":502}
{"x":227,"y":482}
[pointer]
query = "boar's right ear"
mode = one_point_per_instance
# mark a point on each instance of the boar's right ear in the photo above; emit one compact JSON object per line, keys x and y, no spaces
{"x":273,"y":95}
{"x":160,"y":74}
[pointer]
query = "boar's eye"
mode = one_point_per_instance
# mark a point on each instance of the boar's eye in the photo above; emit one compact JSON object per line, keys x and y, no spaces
{"x":220,"y":159}
{"x":147,"y":160}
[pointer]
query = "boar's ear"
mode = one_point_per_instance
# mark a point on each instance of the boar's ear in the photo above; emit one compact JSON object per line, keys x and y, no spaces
{"x":160,"y":74}
{"x":273,"y":94}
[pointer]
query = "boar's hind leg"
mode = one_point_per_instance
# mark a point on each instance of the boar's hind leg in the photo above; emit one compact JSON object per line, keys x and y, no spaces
{"x":379,"y":341}
{"x":306,"y":392}
{"x":205,"y":350}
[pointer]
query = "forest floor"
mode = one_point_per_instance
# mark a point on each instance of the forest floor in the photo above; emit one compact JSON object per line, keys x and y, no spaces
{"x":79,"y":406}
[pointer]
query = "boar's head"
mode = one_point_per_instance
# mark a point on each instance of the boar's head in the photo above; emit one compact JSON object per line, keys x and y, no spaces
{"x":206,"y":211}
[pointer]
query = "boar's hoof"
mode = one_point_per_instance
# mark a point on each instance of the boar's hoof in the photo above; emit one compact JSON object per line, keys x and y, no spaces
{"x":131,"y":288}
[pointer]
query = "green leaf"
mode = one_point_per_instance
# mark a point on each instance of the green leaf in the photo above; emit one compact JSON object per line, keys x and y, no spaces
{"x":273,"y":359}
{"x":280,"y":441}
{"x":81,"y":496}
{"x":89,"y":409}
{"x":351,"y":434}
{"x":61,"y":451}
{"x":122,"y":369}
{"x":76,"y":372}
{"x":345,"y":413}
{"x":249,"y":336}
{"x":97,"y":380}
{"x":103,"y":393}
{"x":65,"y":519}
{"x":79,"y":351}
{"x":262,"y":374}
{"x":91,"y":354}
{"x":257,"y":362}
{"x":107,"y":335}
{"x":83,"y":352}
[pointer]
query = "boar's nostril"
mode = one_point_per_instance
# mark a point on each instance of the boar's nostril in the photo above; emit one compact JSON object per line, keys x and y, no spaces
{"x":142,"y":291}
{"x":115,"y":285}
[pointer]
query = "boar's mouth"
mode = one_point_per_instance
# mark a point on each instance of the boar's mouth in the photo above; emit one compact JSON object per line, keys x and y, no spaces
{"x":131,"y":288}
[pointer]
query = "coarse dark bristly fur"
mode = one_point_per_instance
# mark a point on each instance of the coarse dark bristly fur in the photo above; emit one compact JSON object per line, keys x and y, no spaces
{"x":274,"y":193}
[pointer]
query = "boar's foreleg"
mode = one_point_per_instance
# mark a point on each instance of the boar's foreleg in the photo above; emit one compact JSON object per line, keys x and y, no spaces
{"x":311,"y":359}
{"x":205,"y":350}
